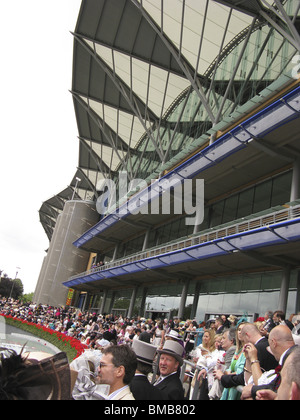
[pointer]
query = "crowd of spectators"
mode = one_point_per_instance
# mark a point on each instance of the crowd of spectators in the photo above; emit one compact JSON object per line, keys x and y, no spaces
{"x":228,"y":358}
{"x":95,"y":330}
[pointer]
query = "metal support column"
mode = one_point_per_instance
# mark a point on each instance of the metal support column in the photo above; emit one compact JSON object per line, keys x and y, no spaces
{"x":196,"y":300}
{"x":295,"y":190}
{"x":146,"y":240}
{"x":183,"y":298}
{"x":104,"y":298}
{"x":284,"y":290}
{"x":297,"y":309}
{"x":112,"y":302}
{"x":85,"y":307}
{"x":115,"y":253}
{"x":132,"y":302}
{"x":143,"y":302}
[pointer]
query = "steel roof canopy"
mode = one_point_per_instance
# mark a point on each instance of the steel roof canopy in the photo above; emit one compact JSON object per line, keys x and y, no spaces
{"x":119,"y":24}
{"x":251,"y":7}
{"x":133,"y":59}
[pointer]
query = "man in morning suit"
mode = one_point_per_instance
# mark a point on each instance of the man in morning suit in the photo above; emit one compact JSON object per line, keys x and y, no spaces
{"x":281,"y":345}
{"x":169,"y":382}
{"x":140,"y":386}
{"x":289,"y":388}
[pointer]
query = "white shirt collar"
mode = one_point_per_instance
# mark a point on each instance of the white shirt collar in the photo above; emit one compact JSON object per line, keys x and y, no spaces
{"x":115,"y":393}
{"x":282,"y":357}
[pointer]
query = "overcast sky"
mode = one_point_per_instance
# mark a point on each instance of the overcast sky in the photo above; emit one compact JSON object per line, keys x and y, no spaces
{"x":39,"y":144}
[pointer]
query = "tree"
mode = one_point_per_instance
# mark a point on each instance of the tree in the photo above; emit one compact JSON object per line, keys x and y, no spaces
{"x":11,"y":287}
{"x":28,"y":297}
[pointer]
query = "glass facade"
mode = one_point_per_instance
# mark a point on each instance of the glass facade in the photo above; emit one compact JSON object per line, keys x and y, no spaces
{"x":255,"y":64}
{"x":252,"y":293}
{"x":262,"y":196}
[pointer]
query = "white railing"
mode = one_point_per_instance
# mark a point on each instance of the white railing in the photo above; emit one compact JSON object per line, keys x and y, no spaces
{"x":210,"y":235}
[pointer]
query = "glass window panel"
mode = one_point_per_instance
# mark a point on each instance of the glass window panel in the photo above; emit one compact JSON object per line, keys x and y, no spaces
{"x":231,"y":304}
{"x":234,"y":285}
{"x":174,"y":230}
{"x":262,"y":200}
{"x":271,"y":281}
{"x":281,"y":189}
{"x":152,"y":239}
{"x":217,"y":214}
{"x":183,"y":230}
{"x":230,"y":209}
{"x":251,"y":282}
{"x":245,"y":203}
{"x":205,"y":224}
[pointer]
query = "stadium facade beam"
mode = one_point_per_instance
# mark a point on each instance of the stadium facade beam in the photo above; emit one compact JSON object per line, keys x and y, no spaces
{"x":194,"y":82}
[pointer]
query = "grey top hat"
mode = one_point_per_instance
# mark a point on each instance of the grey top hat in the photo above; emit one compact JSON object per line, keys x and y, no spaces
{"x":174,"y":349}
{"x":144,"y":352}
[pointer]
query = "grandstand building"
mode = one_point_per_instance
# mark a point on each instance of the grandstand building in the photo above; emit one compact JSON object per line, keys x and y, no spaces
{"x":165,"y":92}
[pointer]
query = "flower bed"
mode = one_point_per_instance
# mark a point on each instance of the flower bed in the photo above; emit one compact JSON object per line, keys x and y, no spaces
{"x":71,"y":346}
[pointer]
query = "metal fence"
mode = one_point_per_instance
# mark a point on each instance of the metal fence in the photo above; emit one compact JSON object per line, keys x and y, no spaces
{"x":242,"y":225}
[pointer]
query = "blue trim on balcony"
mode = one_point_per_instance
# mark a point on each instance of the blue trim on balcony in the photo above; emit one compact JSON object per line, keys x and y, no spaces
{"x":280,"y":233}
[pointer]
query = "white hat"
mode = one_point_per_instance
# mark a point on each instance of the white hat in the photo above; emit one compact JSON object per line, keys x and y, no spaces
{"x":174,"y":334}
{"x":102,"y":342}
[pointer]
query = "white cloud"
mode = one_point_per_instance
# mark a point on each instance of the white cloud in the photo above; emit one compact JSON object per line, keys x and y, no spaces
{"x":38,"y":143}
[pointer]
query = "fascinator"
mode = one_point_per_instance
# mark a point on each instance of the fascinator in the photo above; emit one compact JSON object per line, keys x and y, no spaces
{"x":34,"y":379}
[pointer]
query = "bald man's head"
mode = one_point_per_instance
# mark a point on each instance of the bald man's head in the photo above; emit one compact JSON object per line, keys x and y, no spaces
{"x":280,"y":340}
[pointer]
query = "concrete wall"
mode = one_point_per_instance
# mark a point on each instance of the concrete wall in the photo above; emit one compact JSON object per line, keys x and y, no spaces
{"x":64,"y":260}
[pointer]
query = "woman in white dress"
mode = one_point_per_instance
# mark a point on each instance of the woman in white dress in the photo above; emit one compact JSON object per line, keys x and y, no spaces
{"x":159,"y":335}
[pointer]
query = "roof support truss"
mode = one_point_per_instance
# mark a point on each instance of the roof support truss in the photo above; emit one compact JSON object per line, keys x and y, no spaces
{"x":292,"y":35}
{"x":177,"y":56}
{"x":147,"y":120}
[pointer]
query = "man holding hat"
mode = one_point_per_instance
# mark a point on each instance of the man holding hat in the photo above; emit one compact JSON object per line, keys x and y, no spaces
{"x":140,"y":386}
{"x":170,"y":360}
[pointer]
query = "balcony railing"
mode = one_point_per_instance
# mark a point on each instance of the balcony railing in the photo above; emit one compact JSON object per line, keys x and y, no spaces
{"x":248,"y":224}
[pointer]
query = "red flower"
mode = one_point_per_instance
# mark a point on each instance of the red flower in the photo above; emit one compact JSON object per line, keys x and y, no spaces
{"x":73,"y":342}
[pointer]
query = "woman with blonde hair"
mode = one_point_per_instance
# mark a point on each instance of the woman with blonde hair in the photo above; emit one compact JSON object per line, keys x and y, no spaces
{"x":203,"y":357}
{"x":237,"y":365}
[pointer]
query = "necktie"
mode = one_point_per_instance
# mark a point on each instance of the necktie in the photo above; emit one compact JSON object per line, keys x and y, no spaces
{"x":278,"y":369}
{"x":159,"y":380}
{"x":278,"y":377}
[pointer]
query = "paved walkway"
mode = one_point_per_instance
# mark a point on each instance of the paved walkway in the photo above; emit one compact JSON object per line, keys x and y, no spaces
{"x":14,"y":338}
